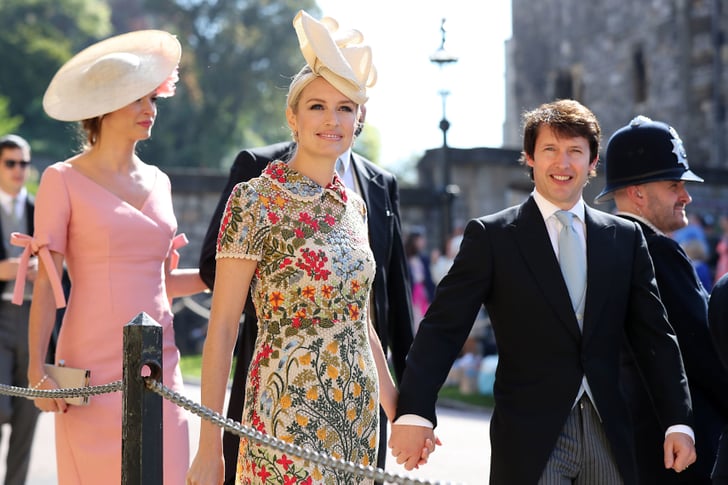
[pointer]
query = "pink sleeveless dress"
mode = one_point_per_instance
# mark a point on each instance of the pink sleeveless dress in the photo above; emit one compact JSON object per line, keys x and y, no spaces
{"x":115,"y":257}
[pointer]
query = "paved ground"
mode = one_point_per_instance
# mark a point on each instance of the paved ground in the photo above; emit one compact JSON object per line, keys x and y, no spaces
{"x":464,"y":457}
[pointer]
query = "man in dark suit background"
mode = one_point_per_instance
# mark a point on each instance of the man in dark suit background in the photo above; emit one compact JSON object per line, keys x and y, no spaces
{"x":646,"y":172}
{"x":558,"y":416}
{"x":718,"y":323}
{"x":392,"y":313}
{"x":16,"y":215}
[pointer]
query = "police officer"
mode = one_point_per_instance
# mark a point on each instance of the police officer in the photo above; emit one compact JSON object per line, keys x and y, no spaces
{"x":646,"y":174}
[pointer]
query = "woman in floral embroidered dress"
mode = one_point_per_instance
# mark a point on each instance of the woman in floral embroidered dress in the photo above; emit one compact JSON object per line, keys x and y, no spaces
{"x":299,"y":240}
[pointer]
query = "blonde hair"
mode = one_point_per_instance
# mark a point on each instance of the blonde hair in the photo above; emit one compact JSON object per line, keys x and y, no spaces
{"x":302,"y":79}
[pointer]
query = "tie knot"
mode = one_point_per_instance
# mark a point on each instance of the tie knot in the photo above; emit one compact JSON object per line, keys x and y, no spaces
{"x":566,"y":218}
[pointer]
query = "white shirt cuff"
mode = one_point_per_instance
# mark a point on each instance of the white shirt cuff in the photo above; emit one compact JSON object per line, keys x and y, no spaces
{"x":414,"y":420}
{"x":681,"y":428}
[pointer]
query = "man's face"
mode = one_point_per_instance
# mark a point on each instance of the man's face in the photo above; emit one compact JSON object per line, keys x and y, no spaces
{"x":665,"y":203}
{"x":561,"y":167}
{"x":13,"y":172}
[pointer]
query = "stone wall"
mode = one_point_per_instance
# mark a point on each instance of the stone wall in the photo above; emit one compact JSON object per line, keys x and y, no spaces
{"x":660,"y":58}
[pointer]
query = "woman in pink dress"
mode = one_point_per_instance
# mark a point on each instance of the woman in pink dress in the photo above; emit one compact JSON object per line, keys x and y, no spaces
{"x":109,"y":216}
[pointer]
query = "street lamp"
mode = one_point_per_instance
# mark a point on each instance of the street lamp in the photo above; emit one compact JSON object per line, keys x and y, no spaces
{"x":449,"y":191}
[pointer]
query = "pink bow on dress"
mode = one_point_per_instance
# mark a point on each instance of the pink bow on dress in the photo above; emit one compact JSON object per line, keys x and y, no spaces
{"x":32,"y":246}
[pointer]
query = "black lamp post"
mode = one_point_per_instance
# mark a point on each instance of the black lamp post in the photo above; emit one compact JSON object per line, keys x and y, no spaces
{"x":449,"y":191}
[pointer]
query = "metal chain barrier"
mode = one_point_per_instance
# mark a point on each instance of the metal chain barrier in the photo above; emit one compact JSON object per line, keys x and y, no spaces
{"x":236,"y":428}
{"x":60,"y":393}
{"x":227,"y":424}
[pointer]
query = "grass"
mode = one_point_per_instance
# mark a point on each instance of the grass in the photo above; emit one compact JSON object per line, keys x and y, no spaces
{"x":191,"y":365}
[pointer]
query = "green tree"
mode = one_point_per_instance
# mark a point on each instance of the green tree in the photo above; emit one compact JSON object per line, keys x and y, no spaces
{"x":36,"y":38}
{"x":237,"y":60}
{"x":8,"y":123}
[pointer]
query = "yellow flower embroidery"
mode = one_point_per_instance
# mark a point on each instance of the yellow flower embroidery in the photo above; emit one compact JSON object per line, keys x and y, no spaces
{"x":305,"y":360}
{"x":302,"y":420}
{"x":332,"y":372}
{"x":285,"y":401}
{"x":333,"y":347}
{"x":338,"y":395}
{"x":312,"y":394}
{"x":321,"y":434}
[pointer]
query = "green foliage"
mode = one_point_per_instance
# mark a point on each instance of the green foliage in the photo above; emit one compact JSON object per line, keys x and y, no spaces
{"x":8,"y":123}
{"x":368,"y":143}
{"x":238,"y":57}
{"x":36,"y":38}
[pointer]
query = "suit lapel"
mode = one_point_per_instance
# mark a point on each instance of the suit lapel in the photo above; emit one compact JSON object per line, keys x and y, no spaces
{"x":600,"y":235}
{"x":535,"y":246}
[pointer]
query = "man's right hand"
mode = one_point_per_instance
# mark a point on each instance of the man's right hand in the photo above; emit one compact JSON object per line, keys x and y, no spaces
{"x":412,"y":445}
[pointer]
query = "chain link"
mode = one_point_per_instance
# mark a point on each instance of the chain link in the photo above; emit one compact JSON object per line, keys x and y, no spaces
{"x":60,"y":393}
{"x":236,"y":428}
{"x":227,"y":424}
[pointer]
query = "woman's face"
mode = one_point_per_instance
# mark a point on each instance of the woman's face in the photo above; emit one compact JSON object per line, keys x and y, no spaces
{"x":134,"y":120}
{"x":323,"y":120}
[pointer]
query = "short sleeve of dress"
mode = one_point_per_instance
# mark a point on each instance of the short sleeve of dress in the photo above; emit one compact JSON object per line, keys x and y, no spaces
{"x":52,"y":209}
{"x":244,"y":227}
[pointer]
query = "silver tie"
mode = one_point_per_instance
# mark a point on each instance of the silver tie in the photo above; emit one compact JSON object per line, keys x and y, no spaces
{"x":572,"y":261}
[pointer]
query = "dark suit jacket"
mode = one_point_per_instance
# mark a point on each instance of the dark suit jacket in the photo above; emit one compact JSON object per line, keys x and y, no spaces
{"x":506,"y":262}
{"x":29,"y":212}
{"x":686,"y":302}
{"x":718,"y":321}
{"x":392,"y":310}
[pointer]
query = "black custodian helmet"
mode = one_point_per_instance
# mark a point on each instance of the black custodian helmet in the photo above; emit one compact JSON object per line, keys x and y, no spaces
{"x":644,"y":151}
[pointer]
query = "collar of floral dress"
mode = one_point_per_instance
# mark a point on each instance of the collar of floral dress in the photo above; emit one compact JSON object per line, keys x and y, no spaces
{"x":301,"y":186}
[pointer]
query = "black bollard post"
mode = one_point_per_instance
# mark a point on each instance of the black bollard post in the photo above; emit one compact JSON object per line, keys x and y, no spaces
{"x":141,"y":440}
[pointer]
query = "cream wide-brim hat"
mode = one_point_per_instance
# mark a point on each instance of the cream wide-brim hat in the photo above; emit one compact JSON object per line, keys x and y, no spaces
{"x":110,"y":74}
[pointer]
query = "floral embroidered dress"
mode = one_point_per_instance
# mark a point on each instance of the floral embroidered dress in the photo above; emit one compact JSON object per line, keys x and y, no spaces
{"x":312,"y":381}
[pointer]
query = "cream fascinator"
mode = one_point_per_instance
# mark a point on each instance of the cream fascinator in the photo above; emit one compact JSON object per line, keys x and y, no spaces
{"x":112,"y":73}
{"x":338,"y":56}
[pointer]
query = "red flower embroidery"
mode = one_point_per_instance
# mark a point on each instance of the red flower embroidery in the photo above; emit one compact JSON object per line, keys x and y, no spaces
{"x":273,"y":217}
{"x":329,"y":219}
{"x":263,"y":473}
{"x":313,"y":264}
{"x":285,"y":462}
{"x":299,"y":233}
{"x":308,"y":220}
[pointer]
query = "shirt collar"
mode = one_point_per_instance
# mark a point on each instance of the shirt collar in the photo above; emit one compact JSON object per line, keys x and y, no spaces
{"x":7,"y":199}
{"x":548,"y":209}
{"x":301,"y":186}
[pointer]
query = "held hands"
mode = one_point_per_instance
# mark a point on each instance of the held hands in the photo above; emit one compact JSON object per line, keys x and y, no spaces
{"x":412,"y":445}
{"x":679,"y":451}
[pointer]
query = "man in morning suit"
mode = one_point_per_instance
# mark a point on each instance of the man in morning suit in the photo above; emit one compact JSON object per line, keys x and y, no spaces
{"x":392,"y":314}
{"x":646,"y":172}
{"x":16,"y":215}
{"x":718,"y":323}
{"x":561,"y":297}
